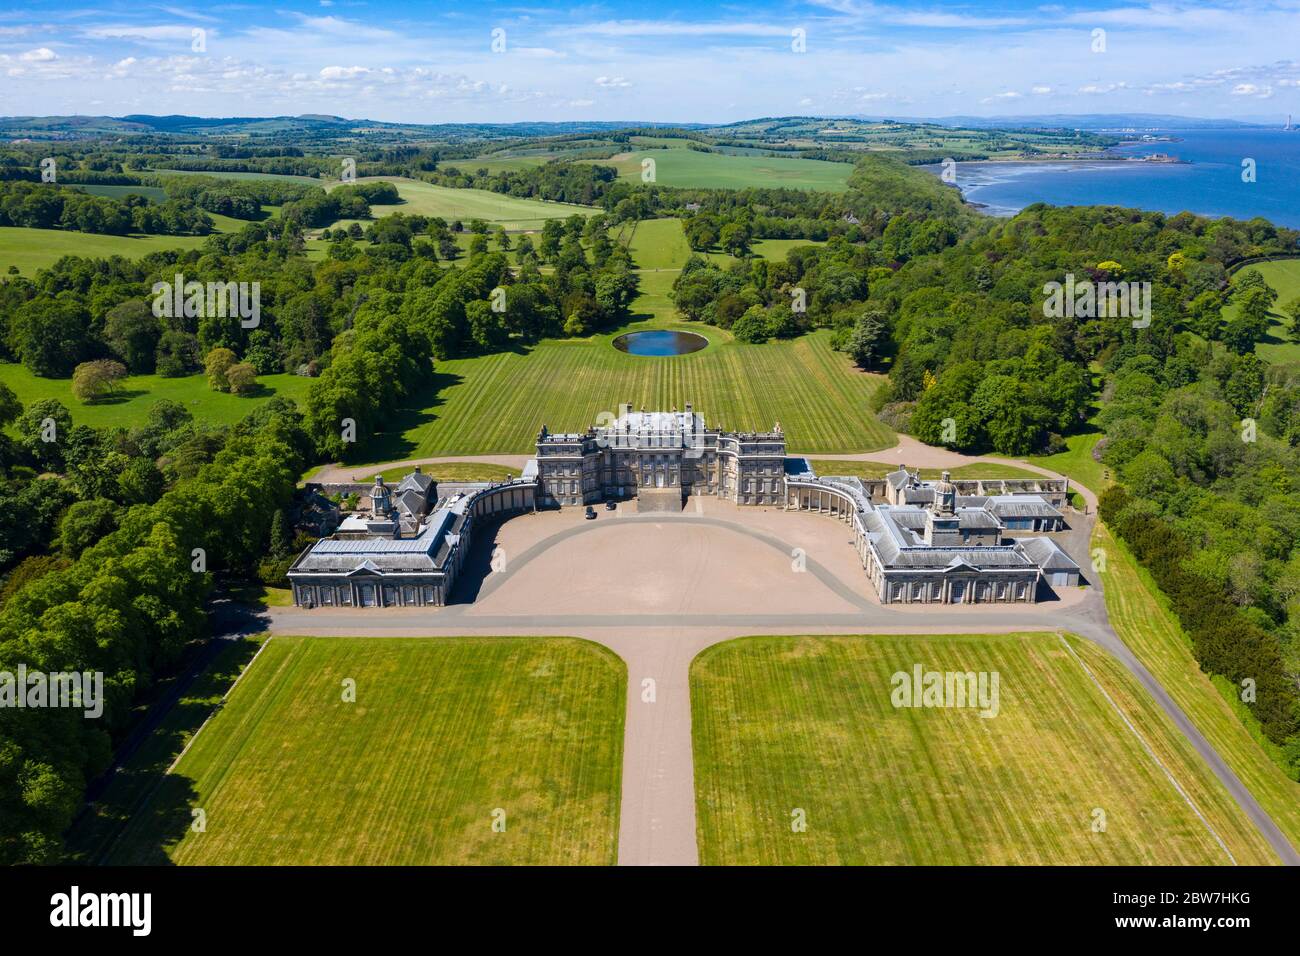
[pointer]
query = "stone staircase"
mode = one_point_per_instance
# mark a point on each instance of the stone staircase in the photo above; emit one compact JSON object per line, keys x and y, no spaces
{"x":659,"y":501}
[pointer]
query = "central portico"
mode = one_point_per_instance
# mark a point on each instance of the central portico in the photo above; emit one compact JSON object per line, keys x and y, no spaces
{"x":632,"y":451}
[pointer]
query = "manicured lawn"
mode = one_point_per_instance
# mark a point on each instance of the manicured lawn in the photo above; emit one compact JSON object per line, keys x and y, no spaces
{"x":878,"y":469}
{"x":1076,"y":462}
{"x":443,"y":732}
{"x":1140,"y":615}
{"x":138,"y":393}
{"x":785,"y":723}
{"x":1284,"y":276}
{"x":659,"y":244}
{"x":497,"y":403}
{"x":32,"y":249}
{"x":691,"y":169}
{"x":425,"y":199}
{"x":454,"y":471}
{"x":92,"y":837}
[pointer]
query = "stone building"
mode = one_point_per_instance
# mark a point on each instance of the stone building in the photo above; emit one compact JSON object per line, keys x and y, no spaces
{"x":669,"y":451}
{"x":918,"y":541}
{"x":407,"y":548}
{"x":939,"y":548}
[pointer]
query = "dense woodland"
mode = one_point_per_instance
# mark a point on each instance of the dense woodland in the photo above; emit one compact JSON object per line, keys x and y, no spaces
{"x":909,"y":281}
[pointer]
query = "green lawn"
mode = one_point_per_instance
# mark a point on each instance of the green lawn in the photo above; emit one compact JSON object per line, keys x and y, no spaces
{"x":786,"y":723}
{"x":692,"y":169}
{"x":32,"y":249}
{"x":91,"y":838}
{"x":152,"y":193}
{"x":497,"y":403}
{"x":1076,"y":462}
{"x":449,"y":471}
{"x":443,"y":732}
{"x":1141,"y":617}
{"x":138,"y":393}
{"x":222,"y":174}
{"x":878,"y":469}
{"x":425,"y":199}
{"x":1279,"y":348}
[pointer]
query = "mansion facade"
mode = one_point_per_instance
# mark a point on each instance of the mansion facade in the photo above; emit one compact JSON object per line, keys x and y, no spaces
{"x":919,"y":541}
{"x":660,"y":450}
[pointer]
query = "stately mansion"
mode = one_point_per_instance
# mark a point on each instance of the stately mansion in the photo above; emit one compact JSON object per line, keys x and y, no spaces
{"x":664,"y":451}
{"x":919,"y":541}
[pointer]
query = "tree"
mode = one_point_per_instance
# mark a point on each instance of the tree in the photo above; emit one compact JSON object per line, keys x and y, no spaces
{"x":868,"y":339}
{"x":1250,"y":324}
{"x":752,"y":326}
{"x":702,"y":232}
{"x":94,"y":380}
{"x":735,"y":238}
{"x":241,"y":378}
{"x":217,"y":366}
{"x":1292,"y":311}
{"x":42,"y":430}
{"x":50,"y":335}
{"x":281,"y":543}
{"x":132,"y":331}
{"x":85,"y":522}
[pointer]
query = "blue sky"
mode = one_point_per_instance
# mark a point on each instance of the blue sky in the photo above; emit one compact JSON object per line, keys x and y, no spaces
{"x":652,"y":61}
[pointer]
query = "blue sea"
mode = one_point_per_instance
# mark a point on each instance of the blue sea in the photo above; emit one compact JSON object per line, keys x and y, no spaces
{"x":1207,"y":181}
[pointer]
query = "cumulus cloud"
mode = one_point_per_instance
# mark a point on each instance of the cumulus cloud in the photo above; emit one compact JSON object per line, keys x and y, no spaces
{"x":613,"y":82}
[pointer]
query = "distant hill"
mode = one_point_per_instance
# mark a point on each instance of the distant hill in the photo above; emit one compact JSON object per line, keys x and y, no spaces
{"x":1106,"y":121}
{"x":310,"y":127}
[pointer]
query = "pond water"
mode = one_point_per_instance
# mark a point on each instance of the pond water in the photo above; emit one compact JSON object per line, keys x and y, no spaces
{"x":660,"y":342}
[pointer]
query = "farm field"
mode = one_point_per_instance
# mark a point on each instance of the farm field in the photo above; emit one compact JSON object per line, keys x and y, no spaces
{"x":689,"y":168}
{"x":152,"y":193}
{"x":442,"y":733}
{"x":780,"y":723}
{"x":1140,"y":615}
{"x":138,"y":393}
{"x":222,"y":174}
{"x":1284,"y":276}
{"x":878,"y":469}
{"x":425,"y":199}
{"x":496,"y":403}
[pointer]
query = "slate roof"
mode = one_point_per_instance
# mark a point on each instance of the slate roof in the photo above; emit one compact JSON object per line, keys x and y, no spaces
{"x":1022,"y":506}
{"x":416,"y":480}
{"x":1047,"y":554}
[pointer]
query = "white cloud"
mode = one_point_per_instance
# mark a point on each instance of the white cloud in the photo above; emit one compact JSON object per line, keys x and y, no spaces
{"x":343,"y":72}
{"x":41,"y":55}
{"x":613,"y":82}
{"x":678,"y":28}
{"x":128,"y":31}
